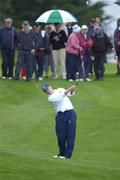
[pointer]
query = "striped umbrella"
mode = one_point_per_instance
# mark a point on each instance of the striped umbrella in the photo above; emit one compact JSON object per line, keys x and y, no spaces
{"x":56,"y":16}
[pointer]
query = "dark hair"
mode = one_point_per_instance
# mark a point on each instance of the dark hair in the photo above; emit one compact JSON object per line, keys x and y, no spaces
{"x":118,"y":22}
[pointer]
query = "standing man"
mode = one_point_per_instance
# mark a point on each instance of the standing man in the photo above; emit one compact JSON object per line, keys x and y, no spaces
{"x":27,"y":45}
{"x":117,"y":45}
{"x":58,"y":40}
{"x":8,"y":37}
{"x":65,"y":119}
{"x":101,"y":43}
{"x":40,"y":52}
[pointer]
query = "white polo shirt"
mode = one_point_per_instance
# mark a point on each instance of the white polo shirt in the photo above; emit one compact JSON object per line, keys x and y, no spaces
{"x":60,"y":101}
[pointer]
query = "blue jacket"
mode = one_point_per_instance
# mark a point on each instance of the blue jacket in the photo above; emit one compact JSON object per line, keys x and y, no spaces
{"x":8,"y":38}
{"x":27,"y":41}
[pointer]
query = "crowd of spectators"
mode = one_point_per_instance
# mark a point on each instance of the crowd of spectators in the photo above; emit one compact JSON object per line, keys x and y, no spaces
{"x":65,"y":51}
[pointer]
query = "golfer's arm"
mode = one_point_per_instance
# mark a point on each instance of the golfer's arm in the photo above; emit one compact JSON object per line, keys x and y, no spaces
{"x":70,"y":90}
{"x":56,"y":97}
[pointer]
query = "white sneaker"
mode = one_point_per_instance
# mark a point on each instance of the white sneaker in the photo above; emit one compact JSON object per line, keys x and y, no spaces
{"x":77,"y":80}
{"x":56,"y":156}
{"x":10,"y":78}
{"x":54,"y":77}
{"x":62,"y":157}
{"x":40,"y":78}
{"x":3,"y":77}
{"x":87,"y":79}
{"x":64,"y":77}
{"x":24,"y":77}
{"x":81,"y":80}
{"x":70,"y":80}
{"x":59,"y":157}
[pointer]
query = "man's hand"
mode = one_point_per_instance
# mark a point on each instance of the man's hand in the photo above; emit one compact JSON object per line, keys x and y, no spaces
{"x":70,"y":89}
{"x":73,"y":88}
{"x":56,"y":38}
{"x":32,"y":51}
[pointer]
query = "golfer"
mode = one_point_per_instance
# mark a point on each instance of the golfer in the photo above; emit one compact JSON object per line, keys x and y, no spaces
{"x":65,"y":118}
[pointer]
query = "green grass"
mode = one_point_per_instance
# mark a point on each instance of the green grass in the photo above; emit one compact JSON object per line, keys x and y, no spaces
{"x":28,"y":140}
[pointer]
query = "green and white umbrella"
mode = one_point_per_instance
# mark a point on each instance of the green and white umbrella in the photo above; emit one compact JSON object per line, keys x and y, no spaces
{"x":56,"y":16}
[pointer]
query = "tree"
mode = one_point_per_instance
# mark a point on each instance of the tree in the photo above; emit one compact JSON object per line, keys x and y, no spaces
{"x":21,"y":10}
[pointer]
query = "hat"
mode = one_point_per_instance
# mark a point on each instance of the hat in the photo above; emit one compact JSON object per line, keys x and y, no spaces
{"x":97,"y":27}
{"x":25,"y":22}
{"x":8,"y":20}
{"x":84,"y":27}
{"x":44,"y":86}
{"x":36,"y":24}
{"x":76,"y":28}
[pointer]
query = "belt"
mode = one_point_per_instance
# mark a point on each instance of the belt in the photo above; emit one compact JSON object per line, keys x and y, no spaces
{"x":25,"y":49}
{"x":65,"y":111}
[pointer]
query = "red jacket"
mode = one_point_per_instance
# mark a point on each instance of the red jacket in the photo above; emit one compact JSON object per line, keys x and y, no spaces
{"x":85,"y":43}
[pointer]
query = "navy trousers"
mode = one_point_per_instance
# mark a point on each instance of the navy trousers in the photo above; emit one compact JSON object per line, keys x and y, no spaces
{"x":26,"y":60}
{"x":86,"y":59}
{"x":40,"y":62}
{"x":7,"y":62}
{"x":99,"y":65}
{"x":72,"y":63}
{"x":65,"y":131}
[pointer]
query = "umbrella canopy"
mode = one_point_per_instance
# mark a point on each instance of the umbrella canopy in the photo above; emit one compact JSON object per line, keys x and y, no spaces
{"x":56,"y":16}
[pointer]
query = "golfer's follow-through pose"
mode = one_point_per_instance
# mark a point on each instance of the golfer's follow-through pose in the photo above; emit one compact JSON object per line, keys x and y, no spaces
{"x":65,"y":118}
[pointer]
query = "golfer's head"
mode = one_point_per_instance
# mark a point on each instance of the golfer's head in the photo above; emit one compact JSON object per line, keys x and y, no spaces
{"x":47,"y":88}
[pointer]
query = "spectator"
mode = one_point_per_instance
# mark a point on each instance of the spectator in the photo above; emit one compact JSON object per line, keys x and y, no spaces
{"x":40,"y":52}
{"x":117,"y":45}
{"x":86,"y":43}
{"x":69,"y":28}
{"x":8,"y":38}
{"x":91,"y":26}
{"x":27,"y":45}
{"x":90,"y":33}
{"x":101,"y":43}
{"x":48,"y":61}
{"x":101,"y":24}
{"x":73,"y":59}
{"x":58,"y":39}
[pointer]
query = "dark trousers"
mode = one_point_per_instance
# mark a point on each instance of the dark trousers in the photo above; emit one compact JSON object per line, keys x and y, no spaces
{"x":26,"y":60}
{"x":40,"y":62}
{"x":7,"y":62}
{"x":118,"y":66}
{"x":48,"y":61}
{"x":72,"y":61}
{"x":99,"y":65}
{"x":66,"y":130}
{"x":86,"y":59}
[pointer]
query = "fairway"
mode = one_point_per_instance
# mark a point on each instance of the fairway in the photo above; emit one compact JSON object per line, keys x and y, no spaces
{"x":27,"y":136}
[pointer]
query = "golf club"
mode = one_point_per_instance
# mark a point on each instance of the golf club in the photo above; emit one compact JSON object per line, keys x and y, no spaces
{"x":77,"y":83}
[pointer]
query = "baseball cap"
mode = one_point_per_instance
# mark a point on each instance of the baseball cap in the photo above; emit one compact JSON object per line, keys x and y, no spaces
{"x":25,"y":22}
{"x":36,"y":24}
{"x":84,"y":27}
{"x":45,"y":86}
{"x":76,"y":28}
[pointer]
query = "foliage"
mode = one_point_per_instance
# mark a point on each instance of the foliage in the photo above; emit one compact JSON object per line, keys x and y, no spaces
{"x":21,"y":10}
